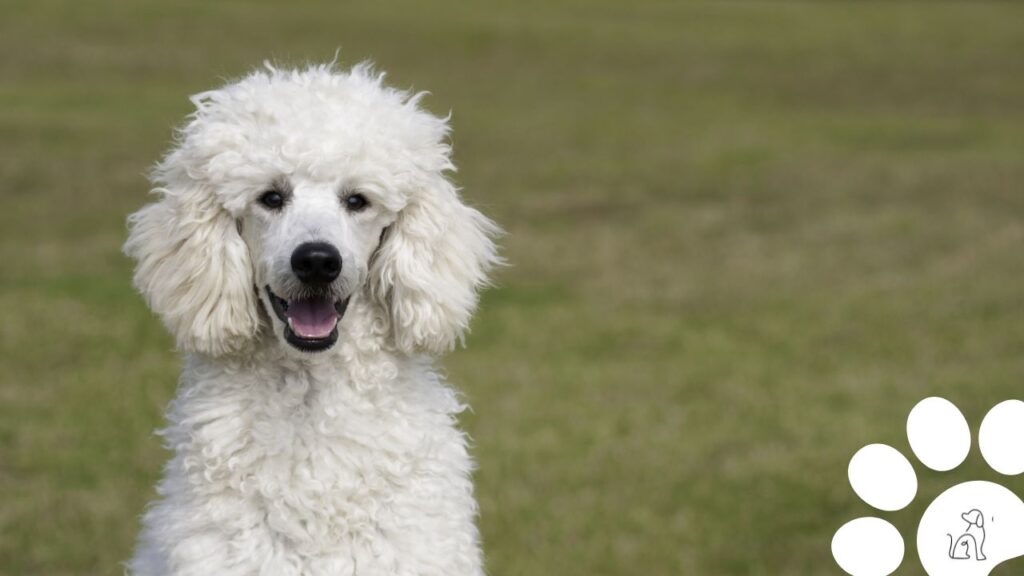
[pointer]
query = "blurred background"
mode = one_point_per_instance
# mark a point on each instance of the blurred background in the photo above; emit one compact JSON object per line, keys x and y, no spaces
{"x":746,"y":238}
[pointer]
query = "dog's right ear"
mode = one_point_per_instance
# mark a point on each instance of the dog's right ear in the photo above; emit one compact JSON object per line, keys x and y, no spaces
{"x":194,"y":269}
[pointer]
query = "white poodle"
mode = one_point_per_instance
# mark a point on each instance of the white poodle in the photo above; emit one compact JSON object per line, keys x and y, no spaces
{"x":310,"y":257}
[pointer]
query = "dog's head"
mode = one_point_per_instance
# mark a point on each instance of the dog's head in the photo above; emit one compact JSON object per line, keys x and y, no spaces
{"x":309,"y":192}
{"x":974,"y":517}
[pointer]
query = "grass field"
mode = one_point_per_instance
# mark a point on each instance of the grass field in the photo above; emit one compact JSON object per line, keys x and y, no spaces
{"x":746,"y":238}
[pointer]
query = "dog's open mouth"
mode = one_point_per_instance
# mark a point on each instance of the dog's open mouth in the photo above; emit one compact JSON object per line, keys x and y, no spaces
{"x":310,"y":324}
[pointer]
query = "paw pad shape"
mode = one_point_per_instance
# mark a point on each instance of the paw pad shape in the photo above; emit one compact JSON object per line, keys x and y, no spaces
{"x":967,"y":530}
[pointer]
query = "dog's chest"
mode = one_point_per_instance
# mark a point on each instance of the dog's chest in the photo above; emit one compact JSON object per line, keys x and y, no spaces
{"x":316,"y":464}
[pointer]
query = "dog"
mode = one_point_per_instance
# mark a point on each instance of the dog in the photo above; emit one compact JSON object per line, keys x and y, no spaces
{"x":971,"y":543}
{"x":311,"y":258}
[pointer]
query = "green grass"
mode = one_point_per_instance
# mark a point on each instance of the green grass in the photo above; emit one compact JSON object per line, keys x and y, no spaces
{"x":746,"y":238}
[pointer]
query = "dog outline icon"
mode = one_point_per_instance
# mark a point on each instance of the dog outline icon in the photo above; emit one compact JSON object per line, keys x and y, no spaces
{"x":971,"y":540}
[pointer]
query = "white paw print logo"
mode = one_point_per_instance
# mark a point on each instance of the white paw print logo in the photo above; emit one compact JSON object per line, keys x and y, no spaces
{"x":967,"y":530}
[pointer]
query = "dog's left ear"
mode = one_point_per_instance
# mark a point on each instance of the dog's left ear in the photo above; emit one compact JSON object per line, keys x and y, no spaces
{"x":430,"y":266}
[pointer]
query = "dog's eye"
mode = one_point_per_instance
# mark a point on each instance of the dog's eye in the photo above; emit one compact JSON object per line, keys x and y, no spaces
{"x":356,"y":202}
{"x":272,"y":199}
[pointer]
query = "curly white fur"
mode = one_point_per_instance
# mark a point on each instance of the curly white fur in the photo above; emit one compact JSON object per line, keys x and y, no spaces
{"x":346,"y":461}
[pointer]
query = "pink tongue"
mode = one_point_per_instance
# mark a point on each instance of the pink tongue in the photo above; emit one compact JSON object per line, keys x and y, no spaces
{"x":312,"y":318}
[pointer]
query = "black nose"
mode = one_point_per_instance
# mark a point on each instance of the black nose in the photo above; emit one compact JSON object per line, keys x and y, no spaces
{"x":316,"y":263}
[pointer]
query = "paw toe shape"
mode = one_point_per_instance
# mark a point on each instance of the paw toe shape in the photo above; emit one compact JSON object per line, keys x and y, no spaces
{"x":1000,"y":437}
{"x":868,"y":547}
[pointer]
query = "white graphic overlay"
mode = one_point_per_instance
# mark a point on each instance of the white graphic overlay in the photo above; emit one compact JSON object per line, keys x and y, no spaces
{"x":970,"y":529}
{"x":1001,"y":436}
{"x":967,"y":530}
{"x":883,"y":477}
{"x":938,"y":434}
{"x":874,"y":534}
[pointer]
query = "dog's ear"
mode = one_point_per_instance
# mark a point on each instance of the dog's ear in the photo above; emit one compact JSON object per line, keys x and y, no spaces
{"x":980,"y":519}
{"x":430,"y":265}
{"x":194,"y":269}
